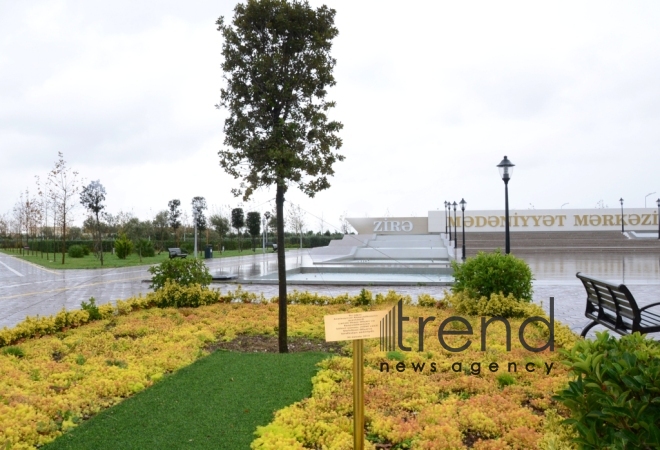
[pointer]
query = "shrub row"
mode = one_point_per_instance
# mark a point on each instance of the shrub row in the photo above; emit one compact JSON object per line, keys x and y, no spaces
{"x":231,"y":243}
{"x":177,"y":296}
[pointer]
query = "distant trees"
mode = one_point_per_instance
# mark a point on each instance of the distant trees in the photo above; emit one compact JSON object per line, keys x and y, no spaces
{"x":160,"y":224}
{"x":220,"y":225}
{"x":63,"y":185}
{"x":27,"y":214}
{"x":238,"y":222}
{"x":344,"y":225}
{"x":92,"y":198}
{"x":174,"y":217}
{"x":296,"y":220}
{"x":254,"y":226}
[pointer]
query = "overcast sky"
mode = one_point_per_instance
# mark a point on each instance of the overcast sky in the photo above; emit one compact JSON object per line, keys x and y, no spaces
{"x":432,"y":95}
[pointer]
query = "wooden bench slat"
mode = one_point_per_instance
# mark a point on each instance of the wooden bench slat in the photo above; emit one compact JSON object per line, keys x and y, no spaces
{"x":624,"y":311}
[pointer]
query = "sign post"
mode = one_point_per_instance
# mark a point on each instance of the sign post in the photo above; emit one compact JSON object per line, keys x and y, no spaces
{"x":355,"y":327}
{"x":358,"y":394}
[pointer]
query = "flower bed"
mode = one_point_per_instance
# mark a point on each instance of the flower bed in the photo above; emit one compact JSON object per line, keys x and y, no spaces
{"x":50,"y":382}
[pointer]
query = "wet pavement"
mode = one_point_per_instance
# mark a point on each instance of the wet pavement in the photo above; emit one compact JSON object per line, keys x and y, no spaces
{"x":30,"y":290}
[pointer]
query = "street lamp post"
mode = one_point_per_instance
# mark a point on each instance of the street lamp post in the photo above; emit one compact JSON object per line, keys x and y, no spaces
{"x":506,"y":169}
{"x":446,"y":220}
{"x":267,"y":216}
{"x":263,"y":234}
{"x":195,"y":219}
{"x":463,"y":202}
{"x":658,"y":202}
{"x":448,"y":217}
{"x":647,"y":195}
{"x":455,"y":234}
{"x":622,"y":229}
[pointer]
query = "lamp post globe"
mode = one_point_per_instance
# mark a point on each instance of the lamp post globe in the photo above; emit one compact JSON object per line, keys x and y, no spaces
{"x":506,"y":170}
{"x":463,"y":203}
{"x":455,"y":234}
{"x":622,"y":229}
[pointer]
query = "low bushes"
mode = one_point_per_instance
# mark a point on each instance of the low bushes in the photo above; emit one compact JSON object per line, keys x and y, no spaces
{"x":123,"y":247}
{"x":493,"y":273}
{"x":145,"y":248}
{"x":184,"y":272}
{"x":76,"y":251}
{"x":493,"y":305}
{"x":53,"y":383}
{"x":614,"y":397}
{"x":172,"y":294}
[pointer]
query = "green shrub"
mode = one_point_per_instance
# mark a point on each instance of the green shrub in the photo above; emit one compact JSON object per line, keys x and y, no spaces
{"x":505,"y":379}
{"x":146,"y":248}
{"x":184,"y":272}
{"x":187,"y":247}
{"x":495,"y":305}
{"x":76,"y":251}
{"x":364,"y":298}
{"x":86,"y":250}
{"x":177,"y":296}
{"x":493,"y":273}
{"x":123,"y":247}
{"x":14,"y":351}
{"x":426,"y":300}
{"x":91,"y":308}
{"x":615,"y":395}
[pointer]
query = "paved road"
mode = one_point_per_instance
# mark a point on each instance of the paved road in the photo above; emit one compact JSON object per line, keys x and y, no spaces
{"x":27,"y":289}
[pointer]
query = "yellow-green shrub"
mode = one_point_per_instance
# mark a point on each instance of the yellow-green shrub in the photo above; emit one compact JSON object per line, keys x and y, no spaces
{"x":496,"y":305}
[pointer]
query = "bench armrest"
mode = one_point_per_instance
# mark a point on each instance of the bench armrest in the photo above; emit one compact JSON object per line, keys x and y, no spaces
{"x":649,"y":306}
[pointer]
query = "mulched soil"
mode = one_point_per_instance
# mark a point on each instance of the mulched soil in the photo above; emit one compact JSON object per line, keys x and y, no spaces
{"x":247,"y":343}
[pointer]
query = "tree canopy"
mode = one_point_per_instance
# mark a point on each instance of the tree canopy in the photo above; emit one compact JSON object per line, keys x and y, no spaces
{"x":277,"y":69}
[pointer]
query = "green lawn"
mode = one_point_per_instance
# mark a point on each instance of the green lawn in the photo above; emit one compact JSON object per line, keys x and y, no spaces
{"x":109,"y":260}
{"x":217,"y":403}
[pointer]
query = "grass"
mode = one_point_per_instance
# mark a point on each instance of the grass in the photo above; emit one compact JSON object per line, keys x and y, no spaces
{"x":217,"y":402}
{"x":109,"y":260}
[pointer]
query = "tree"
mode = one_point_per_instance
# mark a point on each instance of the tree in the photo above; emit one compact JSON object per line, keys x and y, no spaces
{"x":238,"y":222}
{"x":254,"y":226}
{"x":175,"y":217}
{"x":136,"y":230}
{"x":160,"y":224}
{"x":296,"y":220}
{"x":198,"y":207}
{"x":345,"y":226}
{"x":92,"y":198}
{"x":63,"y":185}
{"x":27,"y":215}
{"x":4,"y":225}
{"x":277,"y":67}
{"x":220,"y":225}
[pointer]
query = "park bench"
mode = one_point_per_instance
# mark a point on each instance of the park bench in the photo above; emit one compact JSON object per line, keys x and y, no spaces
{"x":176,"y":253}
{"x":614,"y":307}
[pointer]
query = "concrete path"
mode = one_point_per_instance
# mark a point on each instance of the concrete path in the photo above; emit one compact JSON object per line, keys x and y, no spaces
{"x":30,"y":290}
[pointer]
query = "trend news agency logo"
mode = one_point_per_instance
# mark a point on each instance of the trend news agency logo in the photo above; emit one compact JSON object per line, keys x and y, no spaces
{"x":391,"y":338}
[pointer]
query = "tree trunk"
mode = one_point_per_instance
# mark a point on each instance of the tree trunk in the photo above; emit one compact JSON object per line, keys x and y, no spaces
{"x":98,"y":229}
{"x":63,"y":236}
{"x":281,"y":270}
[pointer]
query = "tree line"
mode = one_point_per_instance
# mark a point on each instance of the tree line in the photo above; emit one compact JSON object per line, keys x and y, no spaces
{"x":46,"y":215}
